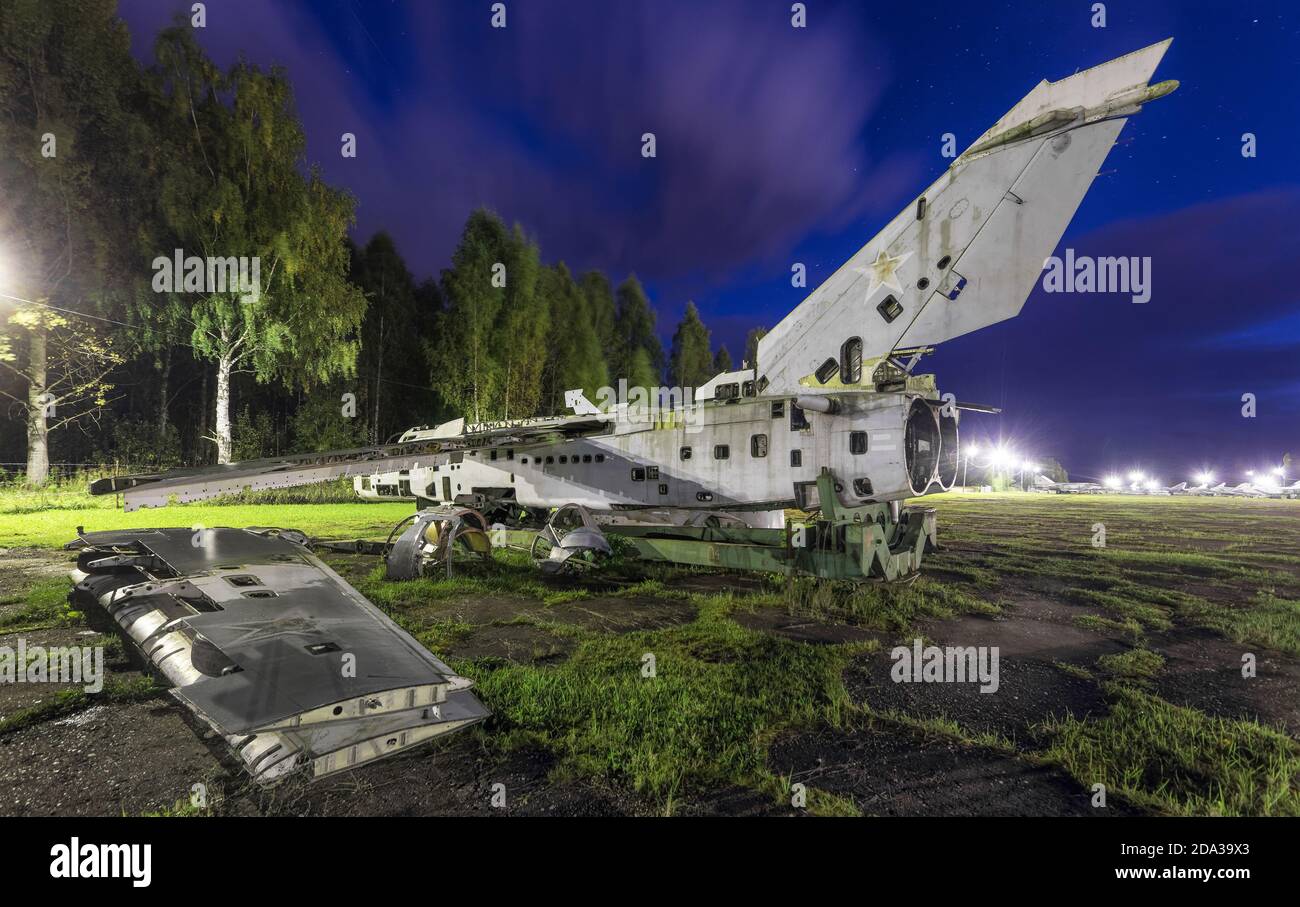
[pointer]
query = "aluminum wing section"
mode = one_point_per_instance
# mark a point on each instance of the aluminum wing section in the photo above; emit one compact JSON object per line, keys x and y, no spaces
{"x":966,"y":254}
{"x":200,"y":484}
{"x":270,"y":648}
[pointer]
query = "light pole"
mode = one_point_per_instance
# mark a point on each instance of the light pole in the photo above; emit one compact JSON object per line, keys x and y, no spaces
{"x":970,"y":452}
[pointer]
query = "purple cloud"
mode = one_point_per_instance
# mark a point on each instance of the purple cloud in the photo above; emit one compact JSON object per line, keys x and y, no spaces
{"x":758,"y":125}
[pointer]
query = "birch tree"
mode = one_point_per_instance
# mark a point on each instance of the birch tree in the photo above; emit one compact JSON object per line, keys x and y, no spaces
{"x":234,"y":191}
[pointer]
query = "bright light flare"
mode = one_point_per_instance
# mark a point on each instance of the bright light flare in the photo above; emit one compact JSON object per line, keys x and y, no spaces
{"x":1136,"y":476}
{"x":1113,"y":482}
{"x":1002,"y":458}
{"x":1205,"y":478}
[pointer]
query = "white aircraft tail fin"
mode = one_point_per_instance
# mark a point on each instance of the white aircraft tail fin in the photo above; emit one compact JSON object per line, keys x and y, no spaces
{"x":967,"y":253}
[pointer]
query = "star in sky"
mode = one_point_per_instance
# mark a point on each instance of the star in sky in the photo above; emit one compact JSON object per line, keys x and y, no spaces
{"x":882,"y":272}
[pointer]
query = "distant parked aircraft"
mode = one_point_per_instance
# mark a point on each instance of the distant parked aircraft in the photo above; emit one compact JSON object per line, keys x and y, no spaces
{"x":1043,"y":483}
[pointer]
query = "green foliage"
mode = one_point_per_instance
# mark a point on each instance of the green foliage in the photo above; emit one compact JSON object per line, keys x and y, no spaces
{"x":329,"y":520}
{"x":1180,"y":760}
{"x":719,"y":696}
{"x":390,"y":364}
{"x":640,"y":369}
{"x":44,"y":604}
{"x":132,"y":688}
{"x":691,"y":363}
{"x":137,"y":445}
{"x":65,"y":72}
{"x":880,"y":607}
{"x":185,"y":154}
{"x":573,"y":354}
{"x":66,"y":127}
{"x":319,"y":423}
{"x":1266,"y":619}
{"x":180,"y":809}
{"x":487,"y":357}
{"x":522,"y":329}
{"x":600,"y":308}
{"x":1134,"y":665}
{"x":722,"y":361}
{"x":638,"y":355}
{"x":254,"y":435}
{"x":232,"y":187}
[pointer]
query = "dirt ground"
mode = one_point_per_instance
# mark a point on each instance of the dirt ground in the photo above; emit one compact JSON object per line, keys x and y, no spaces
{"x":1175,"y":579}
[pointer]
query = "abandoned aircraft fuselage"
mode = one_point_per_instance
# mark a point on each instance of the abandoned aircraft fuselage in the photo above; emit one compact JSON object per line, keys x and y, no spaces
{"x":743,"y":455}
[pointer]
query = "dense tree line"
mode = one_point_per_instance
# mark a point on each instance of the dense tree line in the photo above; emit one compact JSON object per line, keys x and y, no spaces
{"x":115,"y":348}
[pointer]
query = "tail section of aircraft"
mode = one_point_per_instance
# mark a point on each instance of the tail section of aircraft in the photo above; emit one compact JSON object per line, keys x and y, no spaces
{"x":968,"y":251}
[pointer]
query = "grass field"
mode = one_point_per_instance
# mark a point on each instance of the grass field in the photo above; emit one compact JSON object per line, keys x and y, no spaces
{"x":39,"y":520}
{"x":1121,"y":665}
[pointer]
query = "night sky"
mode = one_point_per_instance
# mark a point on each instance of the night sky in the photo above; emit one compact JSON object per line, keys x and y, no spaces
{"x":779,"y":145}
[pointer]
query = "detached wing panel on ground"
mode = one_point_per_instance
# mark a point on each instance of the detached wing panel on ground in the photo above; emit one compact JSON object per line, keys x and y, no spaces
{"x":270,"y":648}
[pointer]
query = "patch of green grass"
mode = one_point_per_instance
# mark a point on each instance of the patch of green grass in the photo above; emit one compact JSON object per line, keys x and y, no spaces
{"x":1128,"y":608}
{"x":1184,"y":562}
{"x":978,"y":576}
{"x":825,"y":803}
{"x":131,"y":688}
{"x":1265,"y":620}
{"x":1135,"y":664}
{"x":947,"y":729}
{"x":817,"y":802}
{"x":438,"y":635}
{"x":59,"y":493}
{"x":564,"y":596}
{"x":652,"y":587}
{"x":1073,"y":670}
{"x":882,"y":607}
{"x":181,"y":809}
{"x":719,"y":695}
{"x":492,"y":578}
{"x":1180,"y":760}
{"x":340,"y":521}
{"x":44,"y":604}
{"x":1099,"y":624}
